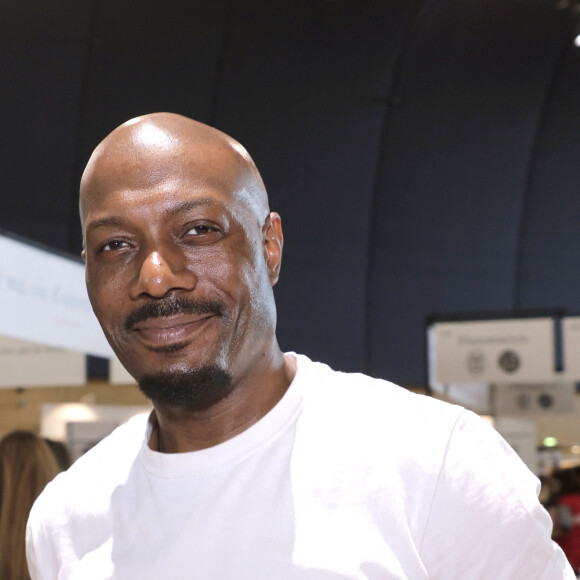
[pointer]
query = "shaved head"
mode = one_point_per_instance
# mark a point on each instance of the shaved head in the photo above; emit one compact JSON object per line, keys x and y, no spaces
{"x":161,"y":142}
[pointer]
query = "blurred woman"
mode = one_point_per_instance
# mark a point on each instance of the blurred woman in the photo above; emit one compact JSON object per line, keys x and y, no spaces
{"x":27,"y":464}
{"x":565,"y":514}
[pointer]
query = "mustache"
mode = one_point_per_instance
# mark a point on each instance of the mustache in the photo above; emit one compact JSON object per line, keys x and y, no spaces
{"x":171,"y":307}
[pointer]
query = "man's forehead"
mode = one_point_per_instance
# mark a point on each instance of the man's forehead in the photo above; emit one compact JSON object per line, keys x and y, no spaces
{"x":110,"y":204}
{"x":165,"y":160}
{"x":172,"y":195}
{"x":115,"y":215}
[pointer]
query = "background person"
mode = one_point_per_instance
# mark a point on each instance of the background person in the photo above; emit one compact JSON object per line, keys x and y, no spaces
{"x":61,"y":453}
{"x":565,"y":512}
{"x":27,"y":464}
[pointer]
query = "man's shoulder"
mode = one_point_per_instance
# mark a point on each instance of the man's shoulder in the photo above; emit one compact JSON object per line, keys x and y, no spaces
{"x":375,"y":419}
{"x":360,"y":394}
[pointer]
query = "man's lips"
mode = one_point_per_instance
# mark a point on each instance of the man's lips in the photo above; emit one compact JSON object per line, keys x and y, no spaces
{"x":170,"y":330}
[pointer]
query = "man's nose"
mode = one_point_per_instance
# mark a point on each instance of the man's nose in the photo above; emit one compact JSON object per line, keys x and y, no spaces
{"x":160,"y":274}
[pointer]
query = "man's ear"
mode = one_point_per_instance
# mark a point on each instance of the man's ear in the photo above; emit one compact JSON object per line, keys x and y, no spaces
{"x":84,"y":255}
{"x":273,"y":242}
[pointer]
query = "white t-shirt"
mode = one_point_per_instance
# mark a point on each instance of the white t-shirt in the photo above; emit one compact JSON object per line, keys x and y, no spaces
{"x":347,"y":477}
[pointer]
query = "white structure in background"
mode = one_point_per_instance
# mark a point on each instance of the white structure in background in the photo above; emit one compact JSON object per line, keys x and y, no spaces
{"x":533,"y":399}
{"x":492,"y":351}
{"x":507,"y":368}
{"x":30,"y":364}
{"x":571,"y":347}
{"x":47,"y":327}
{"x":522,"y":435}
{"x":43,"y":299}
{"x":81,"y":426}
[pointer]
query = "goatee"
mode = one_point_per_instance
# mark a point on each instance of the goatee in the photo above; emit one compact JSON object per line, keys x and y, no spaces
{"x":197,"y":388}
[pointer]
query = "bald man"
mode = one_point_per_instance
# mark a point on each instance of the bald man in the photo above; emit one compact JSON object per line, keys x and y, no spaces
{"x":175,"y":213}
{"x":256,"y":463}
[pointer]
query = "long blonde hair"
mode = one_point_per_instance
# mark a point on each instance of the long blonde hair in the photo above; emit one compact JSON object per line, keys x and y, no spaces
{"x":27,"y":464}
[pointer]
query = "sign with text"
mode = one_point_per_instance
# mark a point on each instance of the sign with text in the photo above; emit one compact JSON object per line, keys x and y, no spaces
{"x":492,"y":351}
{"x":43,"y":299}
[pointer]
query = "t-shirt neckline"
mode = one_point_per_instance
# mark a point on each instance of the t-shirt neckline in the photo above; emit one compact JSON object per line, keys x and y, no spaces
{"x":261,"y":433}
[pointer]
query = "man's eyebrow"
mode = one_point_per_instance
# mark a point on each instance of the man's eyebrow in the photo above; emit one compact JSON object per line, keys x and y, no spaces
{"x":109,"y":221}
{"x":190,"y":204}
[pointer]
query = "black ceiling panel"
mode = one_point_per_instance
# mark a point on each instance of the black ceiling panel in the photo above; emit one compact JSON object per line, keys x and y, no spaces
{"x":422,"y":154}
{"x":304,"y":87}
{"x":455,"y":164}
{"x":147,"y":56}
{"x":41,"y":67}
{"x":550,"y":276}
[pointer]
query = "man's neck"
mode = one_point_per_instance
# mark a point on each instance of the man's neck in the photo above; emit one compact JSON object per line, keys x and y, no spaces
{"x":182,"y":429}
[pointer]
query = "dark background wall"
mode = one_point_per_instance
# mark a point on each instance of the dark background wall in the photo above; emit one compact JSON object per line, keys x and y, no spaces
{"x":424,"y":155}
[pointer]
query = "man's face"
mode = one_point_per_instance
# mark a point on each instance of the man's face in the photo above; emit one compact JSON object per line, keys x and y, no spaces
{"x":177,"y":261}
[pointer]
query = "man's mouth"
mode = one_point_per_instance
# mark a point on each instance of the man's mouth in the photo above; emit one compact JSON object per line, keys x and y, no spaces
{"x":167,"y":331}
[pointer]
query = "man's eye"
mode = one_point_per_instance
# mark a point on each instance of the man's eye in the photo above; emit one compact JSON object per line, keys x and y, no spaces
{"x":113,"y":245}
{"x":202,"y":230}
{"x":202,"y":234}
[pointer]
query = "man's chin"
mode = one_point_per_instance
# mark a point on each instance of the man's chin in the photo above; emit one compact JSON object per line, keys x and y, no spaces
{"x":196,"y":388}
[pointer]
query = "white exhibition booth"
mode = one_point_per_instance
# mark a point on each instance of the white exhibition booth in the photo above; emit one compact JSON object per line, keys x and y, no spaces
{"x":515,"y":369}
{"x":47,"y":327}
{"x":482,"y":361}
{"x":44,"y":299}
{"x":46,"y":319}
